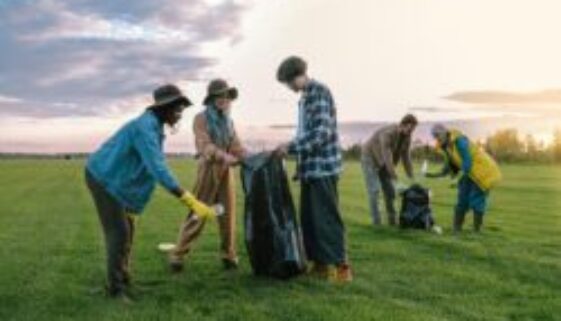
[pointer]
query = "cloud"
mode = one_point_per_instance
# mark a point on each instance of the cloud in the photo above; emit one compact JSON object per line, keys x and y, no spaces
{"x":86,"y":57}
{"x":9,"y":100}
{"x":544,"y":103}
{"x":433,"y":109}
{"x":550,"y":96}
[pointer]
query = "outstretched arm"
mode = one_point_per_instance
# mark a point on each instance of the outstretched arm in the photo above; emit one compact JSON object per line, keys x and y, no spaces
{"x":406,"y":158}
{"x":147,"y":143}
{"x":206,"y":148}
{"x":445,"y":171}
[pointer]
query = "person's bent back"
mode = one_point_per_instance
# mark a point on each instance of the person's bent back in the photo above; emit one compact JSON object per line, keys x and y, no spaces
{"x":130,"y":163}
{"x":122,"y":175}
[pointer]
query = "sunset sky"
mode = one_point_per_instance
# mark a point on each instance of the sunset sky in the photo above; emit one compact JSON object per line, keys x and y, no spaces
{"x":71,"y":72}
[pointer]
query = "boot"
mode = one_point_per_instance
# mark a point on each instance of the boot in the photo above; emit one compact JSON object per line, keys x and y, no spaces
{"x":123,"y":297}
{"x":230,"y":264}
{"x":458,"y":221}
{"x":477,"y":222}
{"x":344,"y":273}
{"x":318,"y":270}
{"x":119,"y":294}
{"x":175,"y":264}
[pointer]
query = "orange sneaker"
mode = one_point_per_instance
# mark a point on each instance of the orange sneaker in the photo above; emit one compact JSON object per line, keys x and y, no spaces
{"x":340,"y":274}
{"x":318,"y":270}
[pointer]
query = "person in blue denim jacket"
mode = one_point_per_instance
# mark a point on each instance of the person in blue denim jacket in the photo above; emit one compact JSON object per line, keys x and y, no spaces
{"x":122,"y":175}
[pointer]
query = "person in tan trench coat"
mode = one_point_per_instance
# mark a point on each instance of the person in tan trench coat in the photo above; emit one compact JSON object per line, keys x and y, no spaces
{"x":218,"y":150}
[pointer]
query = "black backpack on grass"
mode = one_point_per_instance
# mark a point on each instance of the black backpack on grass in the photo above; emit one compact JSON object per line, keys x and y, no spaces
{"x":272,"y":234}
{"x":415,"y":208}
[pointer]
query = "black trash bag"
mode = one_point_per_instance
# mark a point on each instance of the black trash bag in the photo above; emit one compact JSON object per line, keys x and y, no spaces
{"x":272,"y":235}
{"x":415,"y":208}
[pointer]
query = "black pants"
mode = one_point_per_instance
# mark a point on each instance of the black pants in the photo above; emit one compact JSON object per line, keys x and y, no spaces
{"x":322,"y":227}
{"x":118,"y":229}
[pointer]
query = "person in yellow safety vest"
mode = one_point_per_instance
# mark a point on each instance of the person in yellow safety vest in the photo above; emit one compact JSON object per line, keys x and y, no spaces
{"x":480,"y":173}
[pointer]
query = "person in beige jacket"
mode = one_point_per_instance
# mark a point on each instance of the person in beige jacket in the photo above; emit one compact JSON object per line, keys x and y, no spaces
{"x":218,"y":150}
{"x":380,"y":154}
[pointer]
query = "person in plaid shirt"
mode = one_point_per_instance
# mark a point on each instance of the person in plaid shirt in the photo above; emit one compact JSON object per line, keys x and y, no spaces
{"x":318,"y":153}
{"x":317,"y":140}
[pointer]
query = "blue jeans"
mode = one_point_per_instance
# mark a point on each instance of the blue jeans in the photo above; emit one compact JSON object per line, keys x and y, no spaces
{"x":377,"y":179}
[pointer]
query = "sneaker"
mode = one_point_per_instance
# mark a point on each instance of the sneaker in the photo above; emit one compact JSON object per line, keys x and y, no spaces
{"x":340,"y":274}
{"x":123,"y":298}
{"x":331,"y":273}
{"x":136,"y":289}
{"x":230,"y":264}
{"x":175,"y":266}
{"x":318,"y":270}
{"x":119,"y":295}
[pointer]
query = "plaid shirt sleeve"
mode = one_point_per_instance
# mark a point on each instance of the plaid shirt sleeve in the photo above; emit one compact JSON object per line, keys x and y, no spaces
{"x":319,"y":109}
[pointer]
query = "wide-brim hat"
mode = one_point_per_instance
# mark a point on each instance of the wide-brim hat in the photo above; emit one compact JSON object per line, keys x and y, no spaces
{"x":219,"y":88}
{"x":438,"y":129}
{"x":168,"y":94}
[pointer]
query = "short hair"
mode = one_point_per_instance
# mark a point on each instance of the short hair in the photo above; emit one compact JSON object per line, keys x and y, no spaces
{"x":291,"y":68}
{"x":409,"y":119}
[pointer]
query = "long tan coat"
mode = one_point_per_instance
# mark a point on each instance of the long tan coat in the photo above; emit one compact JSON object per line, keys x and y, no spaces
{"x":214,"y":184}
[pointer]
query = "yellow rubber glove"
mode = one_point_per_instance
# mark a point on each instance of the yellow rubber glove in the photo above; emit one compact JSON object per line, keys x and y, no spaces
{"x":200,"y":209}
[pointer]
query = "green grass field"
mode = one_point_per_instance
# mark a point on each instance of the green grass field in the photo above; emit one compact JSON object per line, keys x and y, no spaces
{"x":51,"y":256}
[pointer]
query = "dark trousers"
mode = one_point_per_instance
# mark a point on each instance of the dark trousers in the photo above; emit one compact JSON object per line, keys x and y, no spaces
{"x":118,"y":229}
{"x":470,"y":197}
{"x":322,"y":227}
